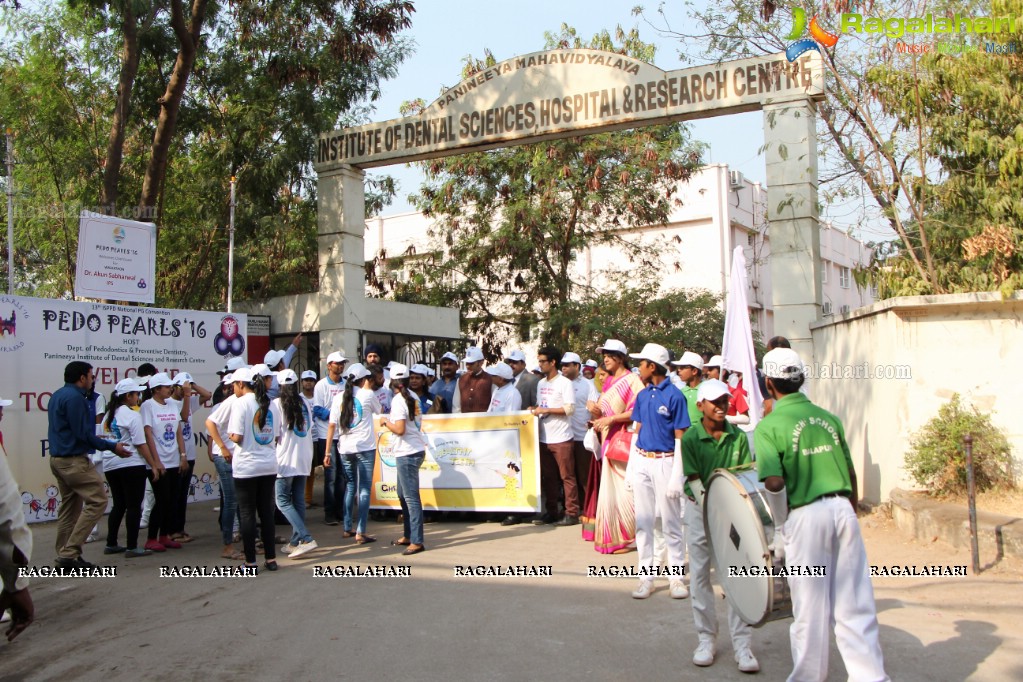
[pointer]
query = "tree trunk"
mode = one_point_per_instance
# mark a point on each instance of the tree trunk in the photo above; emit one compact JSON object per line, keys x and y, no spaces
{"x":115,"y":145}
{"x":170,"y":103}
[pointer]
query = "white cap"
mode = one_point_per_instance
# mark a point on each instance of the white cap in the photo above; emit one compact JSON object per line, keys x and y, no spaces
{"x":592,"y":364}
{"x":8,"y":403}
{"x":181,"y":378}
{"x":262,"y":371}
{"x":399,"y":371}
{"x":160,"y":379}
{"x":516,"y":355}
{"x":419,"y":369}
{"x":430,"y":372}
{"x":273,"y":357}
{"x":613,"y":346}
{"x":243,"y":374}
{"x":236,"y":363}
{"x":228,"y":378}
{"x":655,"y":353}
{"x":715,"y":361}
{"x":309,"y":374}
{"x":287,"y":376}
{"x":711,"y":389}
{"x":123,"y":386}
{"x":783,"y":363}
{"x":689,"y":359}
{"x":501,"y":369}
{"x":449,"y":356}
{"x":571,"y":357}
{"x":336,"y":357}
{"x":473,"y":354}
{"x":357,"y":372}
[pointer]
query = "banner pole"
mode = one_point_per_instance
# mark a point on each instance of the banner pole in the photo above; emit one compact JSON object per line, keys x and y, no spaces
{"x":10,"y":212}
{"x":230,"y":252}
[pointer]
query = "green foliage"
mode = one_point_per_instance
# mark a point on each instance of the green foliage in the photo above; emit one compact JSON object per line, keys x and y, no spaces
{"x":937,"y":459}
{"x":269,"y":77}
{"x":510,"y":223}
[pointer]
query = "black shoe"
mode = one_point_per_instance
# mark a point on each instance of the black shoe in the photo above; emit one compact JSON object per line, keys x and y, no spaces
{"x":74,"y":563}
{"x":331,"y":522}
{"x":113,"y":549}
{"x":543,"y":520}
{"x":510,"y":520}
{"x":568,"y":521}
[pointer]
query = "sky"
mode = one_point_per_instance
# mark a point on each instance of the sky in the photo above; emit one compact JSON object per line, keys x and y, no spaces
{"x":446,"y":31}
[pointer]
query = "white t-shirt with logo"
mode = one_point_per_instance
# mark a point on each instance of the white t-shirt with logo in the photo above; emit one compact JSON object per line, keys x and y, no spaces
{"x":126,"y":428}
{"x":187,"y":434}
{"x":256,"y":455}
{"x":360,"y":438}
{"x":412,"y":442}
{"x":555,"y":393}
{"x":323,"y":396}
{"x":221,"y":416}
{"x":385,"y":395}
{"x":505,"y":399}
{"x":294,"y":446}
{"x":164,"y":421}
{"x":584,"y":391}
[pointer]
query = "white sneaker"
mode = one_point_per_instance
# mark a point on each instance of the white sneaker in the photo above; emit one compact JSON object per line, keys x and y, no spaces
{"x":677,"y":589}
{"x":92,"y":537}
{"x":748,"y":663}
{"x":704,"y":654}
{"x":287,"y":549}
{"x":303,"y":547}
{"x":644,"y":589}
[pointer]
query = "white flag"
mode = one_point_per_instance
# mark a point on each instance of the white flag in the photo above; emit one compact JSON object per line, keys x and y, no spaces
{"x":737,"y":348}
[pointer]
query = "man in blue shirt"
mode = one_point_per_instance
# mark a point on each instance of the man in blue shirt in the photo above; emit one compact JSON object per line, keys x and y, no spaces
{"x":654,"y":472}
{"x":444,"y":386}
{"x":72,"y":435}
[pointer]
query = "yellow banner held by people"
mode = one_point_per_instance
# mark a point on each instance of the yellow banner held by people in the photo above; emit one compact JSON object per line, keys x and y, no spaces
{"x":474,"y":462}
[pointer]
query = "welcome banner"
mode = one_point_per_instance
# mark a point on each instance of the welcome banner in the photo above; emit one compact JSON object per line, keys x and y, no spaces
{"x":474,"y":462}
{"x":38,"y":337}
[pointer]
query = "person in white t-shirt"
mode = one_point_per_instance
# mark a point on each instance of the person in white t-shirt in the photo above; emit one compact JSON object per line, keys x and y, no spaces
{"x":351,"y":416}
{"x":190,"y":396}
{"x":326,"y":389}
{"x":216,"y":427}
{"x":585,"y":393}
{"x":254,"y":465}
{"x":126,"y":476}
{"x":293,"y":427}
{"x":506,"y":397}
{"x":408,"y":447}
{"x":555,"y":399}
{"x":161,"y":416}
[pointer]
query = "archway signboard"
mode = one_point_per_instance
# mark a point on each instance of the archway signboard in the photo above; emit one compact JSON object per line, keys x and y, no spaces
{"x":557,"y":93}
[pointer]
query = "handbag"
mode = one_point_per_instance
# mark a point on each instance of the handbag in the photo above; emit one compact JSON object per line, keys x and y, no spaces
{"x":618,"y":445}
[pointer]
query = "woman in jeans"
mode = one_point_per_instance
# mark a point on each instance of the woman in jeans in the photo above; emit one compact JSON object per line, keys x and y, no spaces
{"x":216,"y":427}
{"x":126,"y":476}
{"x":162,"y":419}
{"x":408,"y":446}
{"x":352,"y":414}
{"x":293,"y":424}
{"x":254,"y":465}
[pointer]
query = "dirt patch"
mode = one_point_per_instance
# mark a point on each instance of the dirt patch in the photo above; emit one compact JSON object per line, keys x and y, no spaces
{"x":1007,"y":502}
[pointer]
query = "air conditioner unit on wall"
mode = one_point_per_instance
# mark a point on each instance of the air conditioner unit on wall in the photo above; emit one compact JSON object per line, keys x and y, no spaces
{"x":735,"y":180}
{"x":844,"y":309}
{"x":827,"y":307}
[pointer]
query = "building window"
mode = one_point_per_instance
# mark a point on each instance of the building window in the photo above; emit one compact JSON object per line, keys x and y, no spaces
{"x":750,"y":238}
{"x":824,"y":272}
{"x":844,"y":278}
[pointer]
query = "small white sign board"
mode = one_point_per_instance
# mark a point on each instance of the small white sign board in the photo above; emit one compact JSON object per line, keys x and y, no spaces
{"x":116,"y":259}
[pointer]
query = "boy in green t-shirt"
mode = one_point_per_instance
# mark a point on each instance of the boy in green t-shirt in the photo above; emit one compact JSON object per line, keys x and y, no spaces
{"x":804,"y":461}
{"x":712,"y":443}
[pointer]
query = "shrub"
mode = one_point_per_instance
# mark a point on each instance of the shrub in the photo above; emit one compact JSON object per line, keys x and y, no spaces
{"x":937,"y":457}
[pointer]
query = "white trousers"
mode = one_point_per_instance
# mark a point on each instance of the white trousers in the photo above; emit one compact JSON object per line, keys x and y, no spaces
{"x":826,"y":533}
{"x":148,"y":501}
{"x":650,"y":493}
{"x":701,"y":593}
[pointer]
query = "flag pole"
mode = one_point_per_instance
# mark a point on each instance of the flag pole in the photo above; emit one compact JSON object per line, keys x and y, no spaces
{"x":230,"y":252}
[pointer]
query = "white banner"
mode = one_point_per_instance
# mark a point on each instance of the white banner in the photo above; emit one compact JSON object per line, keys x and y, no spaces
{"x":39,"y":337}
{"x":116,"y":259}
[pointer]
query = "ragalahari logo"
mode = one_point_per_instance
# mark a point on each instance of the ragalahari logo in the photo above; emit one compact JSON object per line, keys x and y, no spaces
{"x":819,"y":37}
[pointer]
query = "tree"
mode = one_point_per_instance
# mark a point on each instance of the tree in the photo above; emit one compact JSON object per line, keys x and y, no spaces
{"x":509,"y":223}
{"x":888,"y":130}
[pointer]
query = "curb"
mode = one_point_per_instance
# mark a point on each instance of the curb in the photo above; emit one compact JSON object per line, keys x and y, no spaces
{"x":926,"y":519}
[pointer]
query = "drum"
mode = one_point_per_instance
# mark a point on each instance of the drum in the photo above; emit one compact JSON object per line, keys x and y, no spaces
{"x":739,"y":526}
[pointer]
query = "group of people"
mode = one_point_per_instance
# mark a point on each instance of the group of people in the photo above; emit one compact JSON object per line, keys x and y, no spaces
{"x":627,"y":453}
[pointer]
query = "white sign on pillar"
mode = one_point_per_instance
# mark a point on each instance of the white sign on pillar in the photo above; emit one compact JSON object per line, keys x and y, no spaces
{"x":116,"y":259}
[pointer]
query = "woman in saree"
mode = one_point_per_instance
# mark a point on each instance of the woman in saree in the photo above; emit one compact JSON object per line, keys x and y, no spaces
{"x":610,"y":515}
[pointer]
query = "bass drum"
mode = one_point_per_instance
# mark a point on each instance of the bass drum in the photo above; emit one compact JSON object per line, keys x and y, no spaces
{"x":739,"y":525}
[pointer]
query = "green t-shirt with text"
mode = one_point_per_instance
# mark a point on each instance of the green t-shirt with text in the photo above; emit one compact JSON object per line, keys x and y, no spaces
{"x":701,"y":454}
{"x":806,"y":446}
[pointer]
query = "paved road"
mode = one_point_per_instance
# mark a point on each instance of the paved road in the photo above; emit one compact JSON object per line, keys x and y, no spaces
{"x":435,"y":626}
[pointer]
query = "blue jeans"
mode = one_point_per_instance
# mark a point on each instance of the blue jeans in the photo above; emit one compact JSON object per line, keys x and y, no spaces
{"x":291,"y":501}
{"x":408,"y":494}
{"x":359,"y":465}
{"x":228,"y":502}
{"x":333,"y":487}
